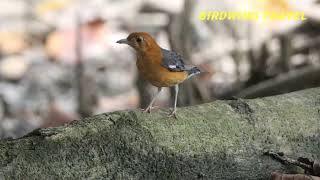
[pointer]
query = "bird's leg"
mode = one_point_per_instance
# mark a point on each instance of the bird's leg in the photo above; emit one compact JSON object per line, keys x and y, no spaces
{"x":176,"y":90}
{"x":148,"y":109}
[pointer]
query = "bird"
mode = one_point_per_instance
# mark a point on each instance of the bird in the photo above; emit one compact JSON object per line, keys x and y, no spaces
{"x":159,"y":66}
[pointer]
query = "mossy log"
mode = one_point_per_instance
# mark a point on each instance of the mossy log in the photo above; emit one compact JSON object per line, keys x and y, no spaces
{"x":218,"y":140}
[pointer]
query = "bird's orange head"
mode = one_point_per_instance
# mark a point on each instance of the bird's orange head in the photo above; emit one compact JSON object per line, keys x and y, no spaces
{"x":140,"y":41}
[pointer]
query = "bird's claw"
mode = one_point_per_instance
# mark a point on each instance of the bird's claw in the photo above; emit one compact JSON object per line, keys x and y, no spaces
{"x":148,"y":109}
{"x":173,"y":114}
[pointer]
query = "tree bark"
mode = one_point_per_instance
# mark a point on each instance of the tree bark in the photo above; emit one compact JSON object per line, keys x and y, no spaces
{"x":219,"y":140}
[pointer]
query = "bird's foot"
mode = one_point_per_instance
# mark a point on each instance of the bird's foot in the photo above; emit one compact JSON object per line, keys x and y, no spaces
{"x":148,"y":109}
{"x":173,"y":114}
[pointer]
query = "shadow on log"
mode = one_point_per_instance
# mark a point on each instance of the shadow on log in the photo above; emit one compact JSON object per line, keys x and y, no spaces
{"x":219,"y":140}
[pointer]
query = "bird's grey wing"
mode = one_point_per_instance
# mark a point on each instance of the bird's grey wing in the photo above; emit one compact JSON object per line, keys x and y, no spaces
{"x":172,"y":61}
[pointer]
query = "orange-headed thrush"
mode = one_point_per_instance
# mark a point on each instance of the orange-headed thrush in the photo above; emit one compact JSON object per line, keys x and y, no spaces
{"x":160,"y":67}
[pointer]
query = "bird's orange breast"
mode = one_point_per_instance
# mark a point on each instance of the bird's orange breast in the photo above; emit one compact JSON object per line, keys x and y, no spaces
{"x":150,"y":68}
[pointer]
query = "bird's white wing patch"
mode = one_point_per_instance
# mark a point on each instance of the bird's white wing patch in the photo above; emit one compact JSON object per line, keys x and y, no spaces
{"x":172,"y":66}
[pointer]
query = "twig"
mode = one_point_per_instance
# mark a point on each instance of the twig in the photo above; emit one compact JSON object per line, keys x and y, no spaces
{"x":280,"y":157}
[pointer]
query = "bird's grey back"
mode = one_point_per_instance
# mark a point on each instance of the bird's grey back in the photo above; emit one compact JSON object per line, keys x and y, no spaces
{"x":174,"y":62}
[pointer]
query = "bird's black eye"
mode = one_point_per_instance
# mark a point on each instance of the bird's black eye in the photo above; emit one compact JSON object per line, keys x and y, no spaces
{"x":139,"y":39}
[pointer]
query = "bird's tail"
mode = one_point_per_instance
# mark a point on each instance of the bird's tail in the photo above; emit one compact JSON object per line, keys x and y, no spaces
{"x":193,"y":71}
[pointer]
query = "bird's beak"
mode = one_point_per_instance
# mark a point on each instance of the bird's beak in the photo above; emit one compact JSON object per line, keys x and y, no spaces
{"x":123,"y":41}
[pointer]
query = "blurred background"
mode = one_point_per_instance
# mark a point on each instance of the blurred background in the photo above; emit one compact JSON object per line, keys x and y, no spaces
{"x":59,"y":61}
